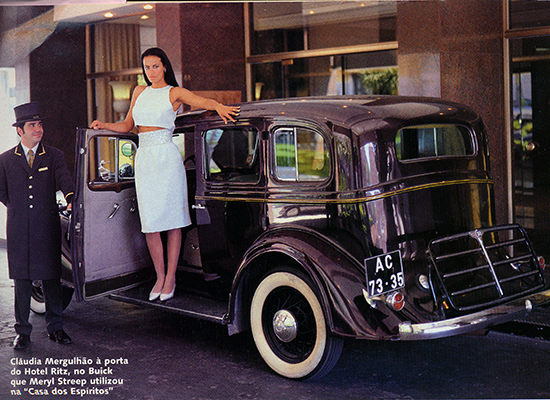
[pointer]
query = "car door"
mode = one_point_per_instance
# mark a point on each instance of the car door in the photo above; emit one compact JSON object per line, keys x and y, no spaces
{"x":229,"y":202}
{"x":108,"y":251}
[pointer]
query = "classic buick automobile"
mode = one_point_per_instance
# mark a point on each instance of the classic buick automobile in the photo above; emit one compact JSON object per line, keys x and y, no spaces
{"x":315,"y":220}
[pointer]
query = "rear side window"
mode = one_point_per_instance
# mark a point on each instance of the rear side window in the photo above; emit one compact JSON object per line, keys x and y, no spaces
{"x":434,"y":141}
{"x":301,"y":154}
{"x":232,"y":155}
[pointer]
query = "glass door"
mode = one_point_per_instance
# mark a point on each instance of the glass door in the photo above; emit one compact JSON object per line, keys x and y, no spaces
{"x":530,"y":70}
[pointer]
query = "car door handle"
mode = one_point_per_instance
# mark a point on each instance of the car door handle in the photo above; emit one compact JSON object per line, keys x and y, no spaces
{"x":116,"y":207}
{"x":198,"y":207}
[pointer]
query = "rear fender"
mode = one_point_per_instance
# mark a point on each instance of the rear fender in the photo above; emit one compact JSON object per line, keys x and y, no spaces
{"x":338,"y":277}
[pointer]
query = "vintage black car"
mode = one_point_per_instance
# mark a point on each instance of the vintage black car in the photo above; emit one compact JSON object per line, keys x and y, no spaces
{"x":315,"y":220}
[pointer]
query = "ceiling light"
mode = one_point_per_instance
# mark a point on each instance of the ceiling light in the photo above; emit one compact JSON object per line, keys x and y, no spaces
{"x":144,"y":17}
{"x":108,"y":15}
{"x":148,"y":7}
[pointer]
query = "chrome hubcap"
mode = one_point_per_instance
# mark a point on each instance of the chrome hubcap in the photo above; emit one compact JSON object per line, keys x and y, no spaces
{"x":285,"y":326}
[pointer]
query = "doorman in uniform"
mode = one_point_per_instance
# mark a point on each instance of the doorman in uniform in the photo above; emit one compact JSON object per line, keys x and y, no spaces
{"x":30,"y":175}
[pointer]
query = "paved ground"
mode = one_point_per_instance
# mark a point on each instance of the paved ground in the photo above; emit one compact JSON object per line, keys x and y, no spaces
{"x":137,"y":353}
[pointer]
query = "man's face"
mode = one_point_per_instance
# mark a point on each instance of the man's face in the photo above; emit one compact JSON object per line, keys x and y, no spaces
{"x":31,"y":133}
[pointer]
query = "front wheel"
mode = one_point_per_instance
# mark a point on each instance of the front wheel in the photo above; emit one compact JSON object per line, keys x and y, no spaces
{"x":38,"y":305}
{"x":289,"y":327}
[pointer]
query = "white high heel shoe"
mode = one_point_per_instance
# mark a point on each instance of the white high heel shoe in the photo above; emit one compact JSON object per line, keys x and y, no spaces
{"x":167,"y":296}
{"x":154,"y":295}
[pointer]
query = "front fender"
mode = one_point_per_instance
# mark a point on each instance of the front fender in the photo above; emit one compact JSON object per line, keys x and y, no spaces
{"x":339,"y":279}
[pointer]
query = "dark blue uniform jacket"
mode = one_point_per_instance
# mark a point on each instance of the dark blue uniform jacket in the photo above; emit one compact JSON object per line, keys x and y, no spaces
{"x":33,"y":225}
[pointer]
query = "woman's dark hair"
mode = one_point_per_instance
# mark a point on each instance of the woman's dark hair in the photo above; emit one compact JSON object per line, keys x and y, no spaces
{"x":169,"y":75}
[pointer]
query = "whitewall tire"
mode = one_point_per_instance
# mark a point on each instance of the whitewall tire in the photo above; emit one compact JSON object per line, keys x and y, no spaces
{"x":289,"y":327}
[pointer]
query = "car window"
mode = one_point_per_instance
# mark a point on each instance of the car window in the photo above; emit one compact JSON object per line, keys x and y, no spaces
{"x":111,"y":160}
{"x":232,"y":154}
{"x":429,"y":141}
{"x":301,"y":154}
{"x":179,"y":140}
{"x":184,"y":139}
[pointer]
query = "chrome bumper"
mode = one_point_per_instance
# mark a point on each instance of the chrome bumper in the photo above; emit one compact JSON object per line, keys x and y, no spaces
{"x":473,"y":322}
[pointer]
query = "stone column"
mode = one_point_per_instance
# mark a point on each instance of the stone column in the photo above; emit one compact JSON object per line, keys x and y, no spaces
{"x":453,"y":49}
{"x":205,"y":41}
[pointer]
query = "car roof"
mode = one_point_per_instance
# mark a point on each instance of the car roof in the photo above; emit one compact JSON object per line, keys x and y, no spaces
{"x":347,"y":110}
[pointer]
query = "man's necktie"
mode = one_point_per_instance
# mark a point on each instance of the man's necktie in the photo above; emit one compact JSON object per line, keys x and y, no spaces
{"x":31,"y":158}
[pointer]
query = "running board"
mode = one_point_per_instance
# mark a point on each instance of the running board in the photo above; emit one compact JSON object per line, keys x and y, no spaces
{"x":190,"y":305}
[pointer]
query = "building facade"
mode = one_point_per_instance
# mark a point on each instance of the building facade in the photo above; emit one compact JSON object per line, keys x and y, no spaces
{"x":491,"y":55}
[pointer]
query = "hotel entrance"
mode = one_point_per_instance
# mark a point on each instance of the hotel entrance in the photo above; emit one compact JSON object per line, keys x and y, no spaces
{"x":528,"y":37}
{"x":530,"y":70}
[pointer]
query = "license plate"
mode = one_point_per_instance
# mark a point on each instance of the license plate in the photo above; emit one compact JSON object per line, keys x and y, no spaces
{"x":384,"y":273}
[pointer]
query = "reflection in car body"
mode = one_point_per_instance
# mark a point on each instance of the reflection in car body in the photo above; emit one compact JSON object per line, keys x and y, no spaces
{"x":315,"y":220}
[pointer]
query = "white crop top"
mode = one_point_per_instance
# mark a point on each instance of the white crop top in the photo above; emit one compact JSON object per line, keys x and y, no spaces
{"x":153,"y":108}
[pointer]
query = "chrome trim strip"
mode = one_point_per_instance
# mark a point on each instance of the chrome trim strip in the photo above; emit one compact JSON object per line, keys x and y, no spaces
{"x":473,"y":322}
{"x":303,"y":198}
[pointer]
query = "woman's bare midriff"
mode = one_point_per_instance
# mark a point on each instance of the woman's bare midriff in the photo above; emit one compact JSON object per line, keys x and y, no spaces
{"x":148,"y":128}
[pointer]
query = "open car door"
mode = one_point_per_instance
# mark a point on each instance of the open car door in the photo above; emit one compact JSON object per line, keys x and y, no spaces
{"x":109,"y":252}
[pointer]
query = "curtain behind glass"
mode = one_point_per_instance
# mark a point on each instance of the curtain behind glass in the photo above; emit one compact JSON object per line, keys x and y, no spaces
{"x":116,"y":47}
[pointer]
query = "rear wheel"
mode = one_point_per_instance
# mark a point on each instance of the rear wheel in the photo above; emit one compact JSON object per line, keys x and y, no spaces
{"x":289,"y":327}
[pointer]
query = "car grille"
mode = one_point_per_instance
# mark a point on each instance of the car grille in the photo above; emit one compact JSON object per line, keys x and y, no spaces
{"x":485,"y":266}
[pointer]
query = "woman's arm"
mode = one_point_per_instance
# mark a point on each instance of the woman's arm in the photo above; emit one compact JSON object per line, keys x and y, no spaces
{"x":182,"y":95}
{"x":128,"y":123}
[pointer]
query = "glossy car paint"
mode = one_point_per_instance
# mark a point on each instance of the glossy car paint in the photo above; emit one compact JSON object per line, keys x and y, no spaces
{"x":370,"y":204}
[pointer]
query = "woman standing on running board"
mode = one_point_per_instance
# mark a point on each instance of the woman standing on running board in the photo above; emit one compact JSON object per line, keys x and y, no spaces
{"x":161,"y":185}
